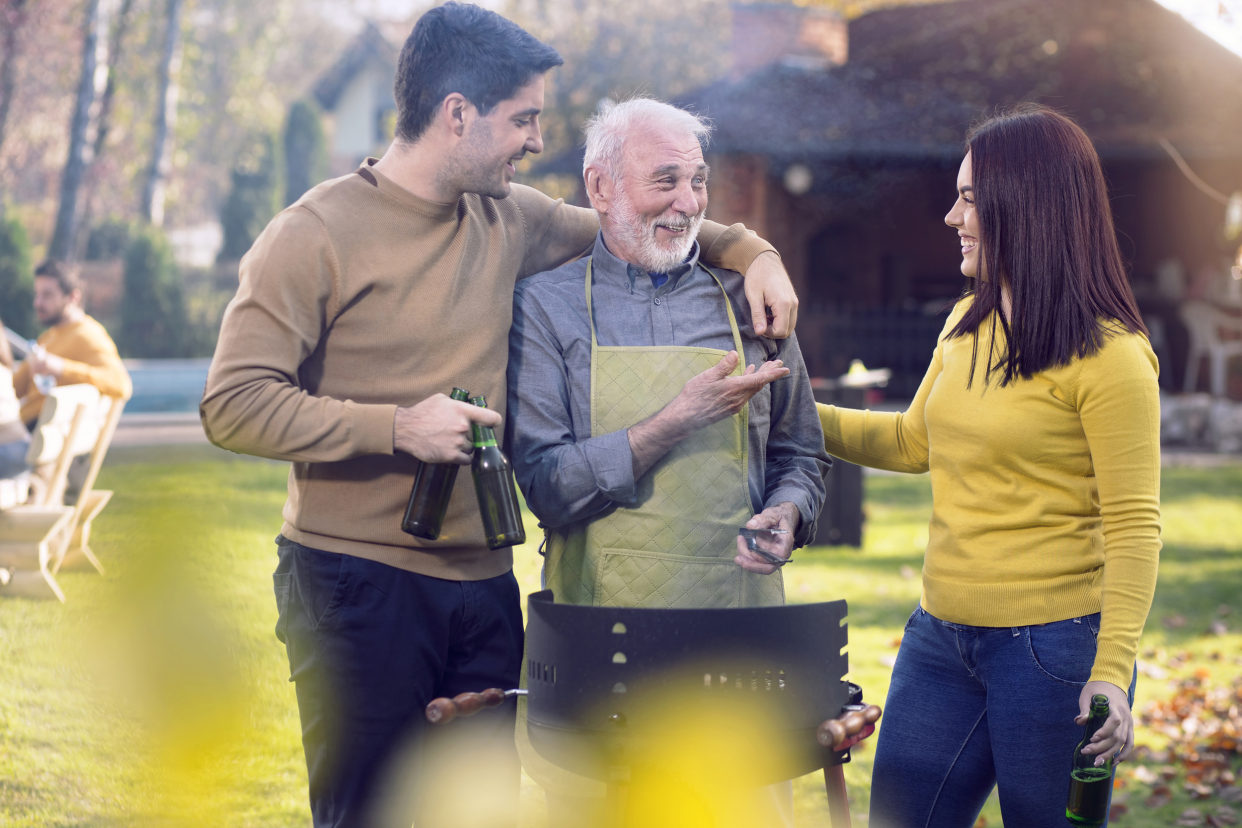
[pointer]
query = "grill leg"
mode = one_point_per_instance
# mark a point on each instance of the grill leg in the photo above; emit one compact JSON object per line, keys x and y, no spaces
{"x":617,"y":798}
{"x":838,"y":804}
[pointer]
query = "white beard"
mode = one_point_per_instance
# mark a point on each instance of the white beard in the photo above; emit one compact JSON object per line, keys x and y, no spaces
{"x":639,"y":235}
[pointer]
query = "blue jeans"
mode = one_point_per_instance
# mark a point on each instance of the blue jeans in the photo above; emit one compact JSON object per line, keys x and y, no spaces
{"x":13,"y":458}
{"x":970,"y":708}
{"x":369,"y":646}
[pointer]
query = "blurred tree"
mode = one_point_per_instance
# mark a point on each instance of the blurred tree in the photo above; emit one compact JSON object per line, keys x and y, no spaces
{"x":654,"y":48}
{"x":255,"y":195}
{"x":12,"y":18}
{"x":103,"y":121}
{"x":16,"y":278}
{"x":306,"y":150}
{"x":107,"y":240}
{"x":90,"y":84}
{"x":153,"y":317}
{"x":153,"y":191}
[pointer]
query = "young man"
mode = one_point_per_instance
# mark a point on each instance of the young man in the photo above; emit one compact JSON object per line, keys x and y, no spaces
{"x":76,"y":348}
{"x":359,"y":308}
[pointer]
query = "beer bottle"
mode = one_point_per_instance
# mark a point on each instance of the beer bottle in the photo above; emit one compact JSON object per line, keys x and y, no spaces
{"x":433,"y":486}
{"x":1087,"y":805}
{"x":493,"y":483}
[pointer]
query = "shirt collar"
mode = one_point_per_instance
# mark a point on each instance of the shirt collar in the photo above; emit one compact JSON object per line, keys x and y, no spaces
{"x":608,"y":267}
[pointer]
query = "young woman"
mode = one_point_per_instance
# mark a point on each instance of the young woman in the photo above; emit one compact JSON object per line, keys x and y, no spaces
{"x":1039,"y":422}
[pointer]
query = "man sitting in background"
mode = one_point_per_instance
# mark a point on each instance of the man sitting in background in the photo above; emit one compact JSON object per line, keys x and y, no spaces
{"x":76,"y":348}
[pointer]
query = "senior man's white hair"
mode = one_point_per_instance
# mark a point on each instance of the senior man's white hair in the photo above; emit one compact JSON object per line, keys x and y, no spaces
{"x":607,"y":129}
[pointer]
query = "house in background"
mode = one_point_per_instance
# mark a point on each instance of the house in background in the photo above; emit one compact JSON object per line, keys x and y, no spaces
{"x":843,"y":152}
{"x":840,"y":144}
{"x":356,"y":95}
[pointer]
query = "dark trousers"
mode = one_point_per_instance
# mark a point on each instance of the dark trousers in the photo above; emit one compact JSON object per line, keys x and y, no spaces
{"x":369,"y":646}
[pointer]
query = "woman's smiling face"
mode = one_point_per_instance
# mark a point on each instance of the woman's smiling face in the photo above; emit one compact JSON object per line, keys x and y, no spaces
{"x":965,"y":221}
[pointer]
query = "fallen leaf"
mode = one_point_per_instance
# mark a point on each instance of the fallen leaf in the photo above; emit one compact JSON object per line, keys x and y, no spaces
{"x":1117,"y":810}
{"x":1198,"y":791}
{"x":908,"y":573}
{"x":1144,"y":774}
{"x":1223,"y":610}
{"x":1231,"y":794}
{"x":1150,"y":670}
{"x":1174,"y":622}
{"x":1218,"y":628}
{"x":896,"y":642}
{"x":889,"y":661}
{"x":1156,"y":801}
{"x":1190,"y":816}
{"x":1226,"y":815}
{"x":981,"y":822}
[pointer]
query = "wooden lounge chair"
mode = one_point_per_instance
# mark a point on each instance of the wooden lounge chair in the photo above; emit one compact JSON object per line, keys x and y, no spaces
{"x":33,"y":536}
{"x":91,"y":501}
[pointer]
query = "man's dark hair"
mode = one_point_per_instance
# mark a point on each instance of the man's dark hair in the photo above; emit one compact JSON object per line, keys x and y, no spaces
{"x":65,"y":275}
{"x":459,"y":47}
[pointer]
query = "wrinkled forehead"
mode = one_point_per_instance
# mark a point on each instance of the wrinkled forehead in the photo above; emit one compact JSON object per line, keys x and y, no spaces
{"x":650,"y":148}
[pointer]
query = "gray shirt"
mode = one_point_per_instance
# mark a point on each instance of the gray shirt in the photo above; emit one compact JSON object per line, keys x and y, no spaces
{"x":569,"y":475}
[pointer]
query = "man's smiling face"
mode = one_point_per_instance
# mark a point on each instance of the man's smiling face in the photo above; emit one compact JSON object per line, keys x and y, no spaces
{"x":660,"y":197}
{"x":487,"y":158}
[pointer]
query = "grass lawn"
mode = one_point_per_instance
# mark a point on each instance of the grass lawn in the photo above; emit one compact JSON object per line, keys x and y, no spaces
{"x":157,"y":695}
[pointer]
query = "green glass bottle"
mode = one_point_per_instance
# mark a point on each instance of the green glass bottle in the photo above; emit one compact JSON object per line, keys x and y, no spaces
{"x":1087,"y":804}
{"x":433,"y":486}
{"x":493,"y":483}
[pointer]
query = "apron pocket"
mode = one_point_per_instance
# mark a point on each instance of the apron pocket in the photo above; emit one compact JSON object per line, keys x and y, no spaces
{"x":635,"y":578}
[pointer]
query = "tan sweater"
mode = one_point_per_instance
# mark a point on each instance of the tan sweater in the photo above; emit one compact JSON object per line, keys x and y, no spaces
{"x":90,"y":357}
{"x":360,"y":298}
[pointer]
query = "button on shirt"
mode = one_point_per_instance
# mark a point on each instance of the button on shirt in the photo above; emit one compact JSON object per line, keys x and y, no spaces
{"x":569,"y":475}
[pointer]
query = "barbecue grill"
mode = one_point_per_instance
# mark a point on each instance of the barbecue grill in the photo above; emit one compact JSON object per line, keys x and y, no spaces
{"x":598,"y":680}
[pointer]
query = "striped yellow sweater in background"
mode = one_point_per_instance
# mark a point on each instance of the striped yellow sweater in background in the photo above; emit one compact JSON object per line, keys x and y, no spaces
{"x":1045,"y":493}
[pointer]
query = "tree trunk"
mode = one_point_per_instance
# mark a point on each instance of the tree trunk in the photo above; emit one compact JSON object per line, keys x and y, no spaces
{"x":103,"y":123}
{"x":165,"y":118}
{"x":12,"y":16}
{"x":94,"y":57}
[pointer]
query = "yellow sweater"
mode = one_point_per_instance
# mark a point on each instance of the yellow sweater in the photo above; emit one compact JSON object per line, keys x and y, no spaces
{"x":90,"y":357}
{"x":1045,"y":493}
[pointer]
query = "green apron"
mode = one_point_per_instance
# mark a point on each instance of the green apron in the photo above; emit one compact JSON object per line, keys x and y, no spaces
{"x":675,"y":547}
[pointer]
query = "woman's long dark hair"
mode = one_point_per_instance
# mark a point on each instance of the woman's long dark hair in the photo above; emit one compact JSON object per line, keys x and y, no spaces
{"x":1047,"y":233}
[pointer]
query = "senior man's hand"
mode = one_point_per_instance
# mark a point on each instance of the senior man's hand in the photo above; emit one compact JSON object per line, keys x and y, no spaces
{"x":711,"y":396}
{"x":780,"y":516}
{"x":769,"y":291}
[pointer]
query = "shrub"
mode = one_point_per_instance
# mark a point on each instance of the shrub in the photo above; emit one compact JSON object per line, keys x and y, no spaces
{"x":107,"y":240}
{"x":255,"y":196}
{"x":16,"y":278}
{"x":153,"y":317}
{"x":306,"y":150}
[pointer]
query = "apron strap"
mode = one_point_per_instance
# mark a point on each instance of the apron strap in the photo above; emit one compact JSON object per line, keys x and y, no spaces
{"x":737,"y":334}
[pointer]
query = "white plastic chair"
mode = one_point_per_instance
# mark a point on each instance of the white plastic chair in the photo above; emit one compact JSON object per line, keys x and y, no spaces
{"x":1205,"y":323}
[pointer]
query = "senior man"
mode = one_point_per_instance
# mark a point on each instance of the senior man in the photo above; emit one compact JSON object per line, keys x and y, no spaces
{"x":640,"y":442}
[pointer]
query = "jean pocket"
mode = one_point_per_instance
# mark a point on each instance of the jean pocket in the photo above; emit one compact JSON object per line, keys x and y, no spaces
{"x":282,"y":585}
{"x":323,"y":581}
{"x":1063,"y":651}
{"x":913,"y":616}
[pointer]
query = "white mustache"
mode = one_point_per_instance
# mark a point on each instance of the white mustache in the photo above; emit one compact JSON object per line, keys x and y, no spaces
{"x":678,"y":222}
